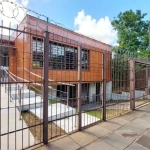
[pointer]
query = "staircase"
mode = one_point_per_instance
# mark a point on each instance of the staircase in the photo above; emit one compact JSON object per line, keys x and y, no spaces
{"x":23,"y":98}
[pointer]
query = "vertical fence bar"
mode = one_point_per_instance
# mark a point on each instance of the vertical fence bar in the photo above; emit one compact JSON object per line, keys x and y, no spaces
{"x":104,"y":87}
{"x":147,"y":76}
{"x":132,"y":84}
{"x":45,"y":88}
{"x":79,"y":88}
{"x":67,"y":95}
{"x":20,"y":97}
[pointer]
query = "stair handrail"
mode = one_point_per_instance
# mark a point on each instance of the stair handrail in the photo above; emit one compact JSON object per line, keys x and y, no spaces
{"x":8,"y":73}
{"x":48,"y":79}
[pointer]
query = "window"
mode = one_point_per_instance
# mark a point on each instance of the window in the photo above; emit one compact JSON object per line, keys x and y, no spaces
{"x":37,"y":53}
{"x":60,"y":56}
{"x":85,"y":59}
{"x":71,"y":58}
{"x":57,"y":59}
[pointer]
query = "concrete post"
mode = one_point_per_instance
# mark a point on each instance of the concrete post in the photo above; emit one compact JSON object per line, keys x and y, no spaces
{"x":104,"y":87}
{"x":45,"y":88}
{"x":132,"y":84}
{"x":147,"y":82}
{"x":79,"y":87}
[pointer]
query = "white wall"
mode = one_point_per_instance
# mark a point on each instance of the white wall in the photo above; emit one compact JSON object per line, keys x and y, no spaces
{"x":52,"y":91}
{"x":108,"y":90}
{"x":123,"y":96}
{"x":92,"y":92}
{"x":84,"y":91}
{"x":126,"y":95}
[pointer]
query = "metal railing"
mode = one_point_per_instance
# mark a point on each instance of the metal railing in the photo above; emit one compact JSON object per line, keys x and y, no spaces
{"x":97,"y":85}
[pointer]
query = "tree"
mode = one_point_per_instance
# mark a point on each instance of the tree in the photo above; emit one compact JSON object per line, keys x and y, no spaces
{"x":132,"y":31}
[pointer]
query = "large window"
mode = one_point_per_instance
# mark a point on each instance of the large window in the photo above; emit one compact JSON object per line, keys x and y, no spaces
{"x":60,"y":56}
{"x":37,"y":53}
{"x":85,"y":59}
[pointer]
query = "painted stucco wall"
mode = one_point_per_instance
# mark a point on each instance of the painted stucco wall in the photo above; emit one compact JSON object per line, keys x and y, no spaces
{"x":52,"y":91}
{"x":92,"y":92}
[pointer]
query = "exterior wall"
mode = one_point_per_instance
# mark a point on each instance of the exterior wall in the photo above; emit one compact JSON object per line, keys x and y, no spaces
{"x":85,"y":89}
{"x":92,"y":75}
{"x":23,"y":55}
{"x":92,"y":92}
{"x":52,"y":91}
{"x":108,"y":90}
{"x":66,"y":33}
{"x":126,"y":95}
{"x":18,"y":58}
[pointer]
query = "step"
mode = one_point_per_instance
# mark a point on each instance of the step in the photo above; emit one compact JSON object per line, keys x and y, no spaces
{"x":55,"y":111}
{"x":15,"y":87}
{"x":29,"y":103}
{"x":15,"y":96}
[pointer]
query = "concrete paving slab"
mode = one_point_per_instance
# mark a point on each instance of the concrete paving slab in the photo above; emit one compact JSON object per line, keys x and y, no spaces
{"x":117,"y":141}
{"x":83,"y":138}
{"x":127,"y":133}
{"x":147,"y":133}
{"x":146,"y":117}
{"x":145,"y":109}
{"x":135,"y":127}
{"x":142,"y":122}
{"x":43,"y":148}
{"x":132,"y":115}
{"x":135,"y":146}
{"x":110,"y":125}
{"x":63,"y":144}
{"x":120,"y":121}
{"x":99,"y":144}
{"x":98,"y":131}
{"x":144,"y":141}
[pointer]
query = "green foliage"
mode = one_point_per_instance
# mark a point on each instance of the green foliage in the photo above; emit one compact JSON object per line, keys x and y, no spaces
{"x":132,"y":31}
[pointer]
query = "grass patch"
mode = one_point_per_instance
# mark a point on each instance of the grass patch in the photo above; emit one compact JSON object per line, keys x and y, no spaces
{"x":37,"y":131}
{"x":109,"y":113}
{"x":52,"y":102}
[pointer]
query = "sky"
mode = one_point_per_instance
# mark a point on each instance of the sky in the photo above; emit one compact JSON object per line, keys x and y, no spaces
{"x":89,"y":17}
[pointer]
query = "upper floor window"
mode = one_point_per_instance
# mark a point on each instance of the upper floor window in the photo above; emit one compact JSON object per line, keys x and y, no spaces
{"x":85,"y":59}
{"x":60,"y":56}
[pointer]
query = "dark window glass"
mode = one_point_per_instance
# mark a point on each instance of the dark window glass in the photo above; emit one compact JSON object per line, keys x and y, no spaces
{"x":85,"y":59}
{"x":60,"y":56}
{"x":37,"y":53}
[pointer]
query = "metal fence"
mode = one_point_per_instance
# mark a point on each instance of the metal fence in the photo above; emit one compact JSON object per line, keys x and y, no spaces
{"x":54,"y":84}
{"x":46,"y":86}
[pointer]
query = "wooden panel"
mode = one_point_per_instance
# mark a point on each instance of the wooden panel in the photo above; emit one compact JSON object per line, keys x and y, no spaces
{"x":23,"y":58}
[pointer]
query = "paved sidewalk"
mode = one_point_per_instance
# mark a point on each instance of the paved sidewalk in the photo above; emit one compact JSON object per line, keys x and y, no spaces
{"x":128,"y":132}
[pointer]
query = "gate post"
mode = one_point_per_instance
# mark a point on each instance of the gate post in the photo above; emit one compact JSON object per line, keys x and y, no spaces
{"x":45,"y":87}
{"x":79,"y":88}
{"x":132,"y":84}
{"x":104,"y":87}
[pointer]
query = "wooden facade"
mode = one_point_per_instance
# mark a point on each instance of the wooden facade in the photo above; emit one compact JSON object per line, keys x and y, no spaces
{"x":22,"y":56}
